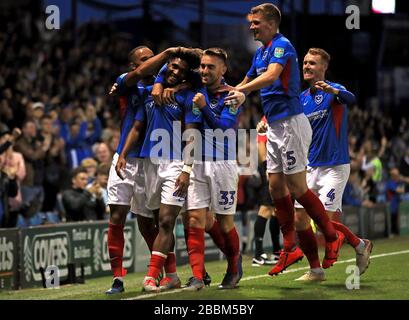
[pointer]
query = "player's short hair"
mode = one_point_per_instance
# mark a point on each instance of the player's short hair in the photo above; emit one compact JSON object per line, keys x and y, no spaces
{"x":131,"y":53}
{"x":320,"y":52}
{"x":191,"y":56}
{"x":269,"y":11}
{"x":75,"y":172}
{"x":217,"y":52}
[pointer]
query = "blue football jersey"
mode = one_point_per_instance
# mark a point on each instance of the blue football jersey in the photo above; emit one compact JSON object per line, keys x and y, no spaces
{"x":280,"y":99}
{"x":222,"y":148}
{"x":130,"y":103}
{"x":328,"y":119}
{"x":164,"y":126}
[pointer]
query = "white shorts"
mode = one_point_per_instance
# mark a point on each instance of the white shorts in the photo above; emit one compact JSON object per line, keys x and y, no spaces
{"x":131,"y":190}
{"x":213,"y":185}
{"x":288,"y":144}
{"x":328,"y":183}
{"x":160,"y":182}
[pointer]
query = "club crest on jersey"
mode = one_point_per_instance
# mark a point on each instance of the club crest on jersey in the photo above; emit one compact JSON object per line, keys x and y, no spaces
{"x":213,"y":103}
{"x":264,"y":55}
{"x":318,"y":98}
{"x":278,"y":52}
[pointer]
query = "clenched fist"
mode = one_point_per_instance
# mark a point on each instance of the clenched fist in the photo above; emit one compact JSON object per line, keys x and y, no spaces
{"x":199,"y":100}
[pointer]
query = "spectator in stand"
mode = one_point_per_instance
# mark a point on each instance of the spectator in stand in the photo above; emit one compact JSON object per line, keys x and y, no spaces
{"x":12,"y":172}
{"x":395,"y":186}
{"x":354,"y":194}
{"x":404,"y":169}
{"x":102,"y":153}
{"x":34,"y":151}
{"x":100,"y":184}
{"x":37,"y":112}
{"x":54,"y":163}
{"x":91,"y":166}
{"x":81,"y":204}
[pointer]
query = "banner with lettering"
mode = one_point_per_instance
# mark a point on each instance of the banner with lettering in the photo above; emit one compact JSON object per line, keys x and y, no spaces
{"x":83,"y":244}
{"x":8,"y":259}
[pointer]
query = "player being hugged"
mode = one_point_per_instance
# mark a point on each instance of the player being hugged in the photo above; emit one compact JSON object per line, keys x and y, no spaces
{"x":325,"y":105}
{"x":166,"y":174}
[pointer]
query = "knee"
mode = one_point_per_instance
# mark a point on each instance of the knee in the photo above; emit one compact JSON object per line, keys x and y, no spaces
{"x":118,"y":214}
{"x":277,"y":191}
{"x":297,"y":188}
{"x":166,"y":223}
{"x":226,"y":224}
{"x":195,"y":222}
{"x":145,"y":225}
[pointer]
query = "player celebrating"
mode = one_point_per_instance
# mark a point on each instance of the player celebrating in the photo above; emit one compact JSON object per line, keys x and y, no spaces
{"x":275,"y":73}
{"x":166,"y":175}
{"x":129,"y":187}
{"x":325,"y":104}
{"x":214,"y":180}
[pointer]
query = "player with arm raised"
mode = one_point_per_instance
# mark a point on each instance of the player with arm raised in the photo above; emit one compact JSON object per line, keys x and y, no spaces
{"x":166,"y":174}
{"x":126,"y":191}
{"x":325,"y":105}
{"x":275,"y":72}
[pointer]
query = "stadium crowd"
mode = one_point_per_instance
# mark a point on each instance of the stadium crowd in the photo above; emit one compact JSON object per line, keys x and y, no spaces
{"x":55,"y":90}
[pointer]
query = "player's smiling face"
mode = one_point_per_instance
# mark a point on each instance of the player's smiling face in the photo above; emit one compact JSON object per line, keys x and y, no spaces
{"x":211,"y":70}
{"x":176,"y":73}
{"x":313,"y":68}
{"x":263,"y":29}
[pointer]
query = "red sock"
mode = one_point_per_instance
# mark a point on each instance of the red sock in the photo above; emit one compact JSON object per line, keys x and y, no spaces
{"x":308,"y":244}
{"x":156,"y":264}
{"x":232,"y":249}
{"x":116,"y":248}
{"x":285,"y":216}
{"x":196,"y":250}
{"x":217,"y":236}
{"x":170,"y":263}
{"x":317,"y":212}
{"x":352,"y":239}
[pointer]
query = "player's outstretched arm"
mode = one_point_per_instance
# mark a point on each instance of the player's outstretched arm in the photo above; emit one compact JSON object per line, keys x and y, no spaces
{"x":264,"y":80}
{"x":150,"y":66}
{"x":131,"y":139}
{"x":343,"y":95}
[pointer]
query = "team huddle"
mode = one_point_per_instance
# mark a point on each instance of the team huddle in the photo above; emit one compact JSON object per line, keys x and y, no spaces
{"x":168,"y":161}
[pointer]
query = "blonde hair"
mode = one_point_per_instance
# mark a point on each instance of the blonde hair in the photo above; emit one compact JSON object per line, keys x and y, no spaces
{"x":320,"y":52}
{"x":269,"y":11}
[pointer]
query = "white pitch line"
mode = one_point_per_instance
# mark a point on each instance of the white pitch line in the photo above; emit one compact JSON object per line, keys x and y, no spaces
{"x":150,"y":295}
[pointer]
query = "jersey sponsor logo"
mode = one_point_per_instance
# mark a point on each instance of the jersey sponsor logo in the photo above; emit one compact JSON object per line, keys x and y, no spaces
{"x":318,"y":98}
{"x":261,"y":70}
{"x":317,"y":115}
{"x":173,"y":106}
{"x":278,"y":52}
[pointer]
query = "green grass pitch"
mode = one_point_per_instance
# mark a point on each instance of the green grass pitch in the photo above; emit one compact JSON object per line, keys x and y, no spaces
{"x":386,"y":278}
